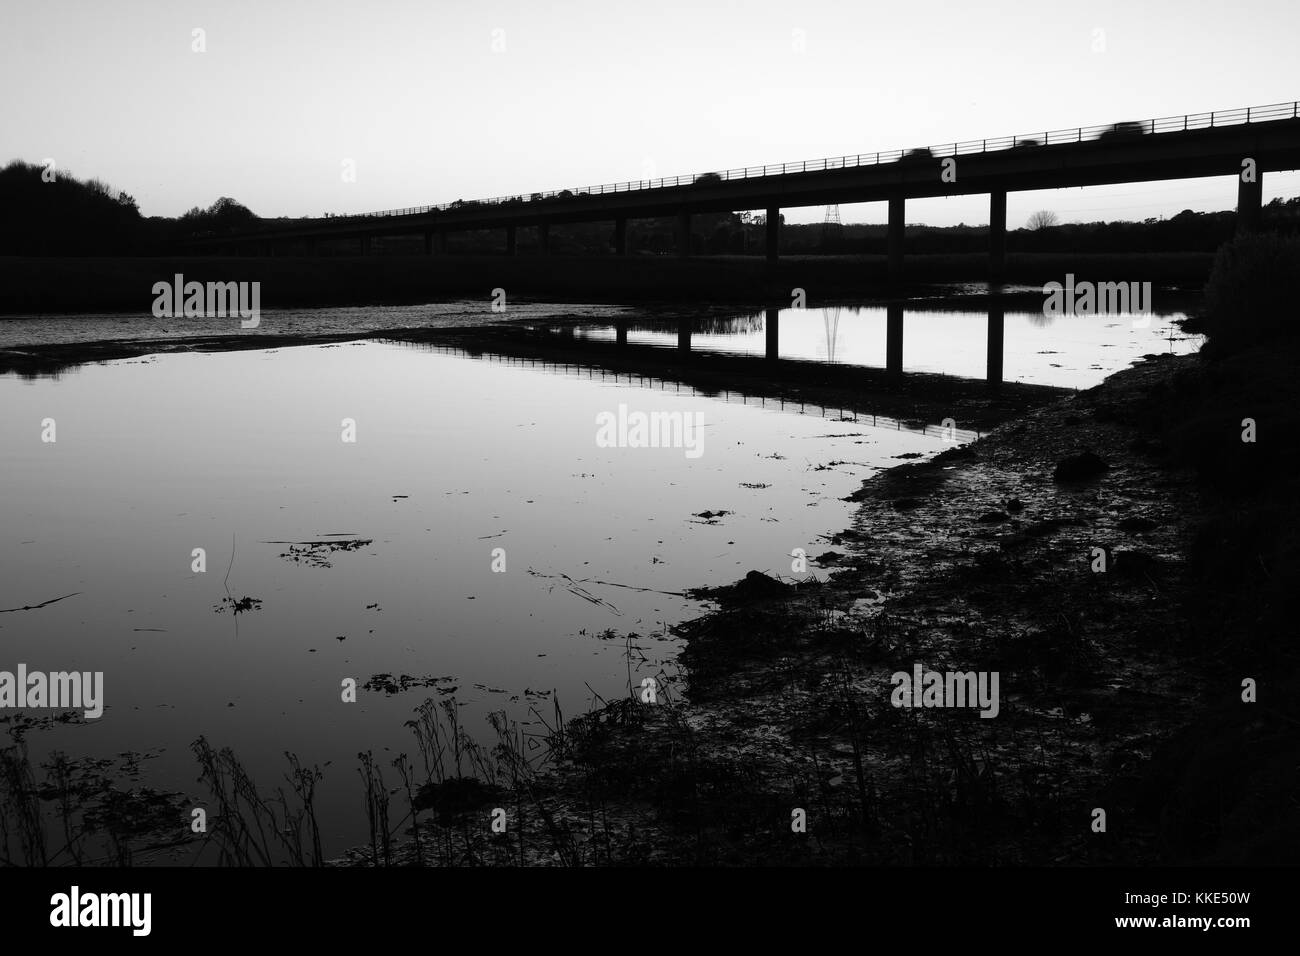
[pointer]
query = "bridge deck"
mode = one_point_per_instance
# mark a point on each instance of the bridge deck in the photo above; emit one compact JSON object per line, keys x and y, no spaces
{"x":1185,"y":147}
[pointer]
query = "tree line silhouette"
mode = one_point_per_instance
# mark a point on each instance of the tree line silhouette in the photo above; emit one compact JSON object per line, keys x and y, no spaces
{"x":50,"y":212}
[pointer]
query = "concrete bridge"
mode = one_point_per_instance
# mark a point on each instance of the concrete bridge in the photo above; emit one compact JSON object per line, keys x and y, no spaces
{"x":1265,"y":138}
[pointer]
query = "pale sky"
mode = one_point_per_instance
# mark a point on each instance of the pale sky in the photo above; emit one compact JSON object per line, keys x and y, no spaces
{"x":584,"y":92}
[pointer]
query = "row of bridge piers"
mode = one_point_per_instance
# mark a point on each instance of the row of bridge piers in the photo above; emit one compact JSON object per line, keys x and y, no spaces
{"x":1249,"y":211}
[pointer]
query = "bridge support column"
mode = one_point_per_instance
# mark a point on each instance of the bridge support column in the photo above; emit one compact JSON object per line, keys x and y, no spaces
{"x":544,"y":238}
{"x":997,"y":327}
{"x":620,"y":332}
{"x":620,"y":237}
{"x":773,"y":233}
{"x":1250,"y":202}
{"x":512,"y":240}
{"x":771,"y":332}
{"x":897,"y":221}
{"x":894,"y":339}
{"x":997,"y":235}
{"x":684,"y":338}
{"x":683,"y":234}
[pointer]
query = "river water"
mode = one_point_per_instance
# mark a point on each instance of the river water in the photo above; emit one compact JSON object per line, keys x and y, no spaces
{"x":378,"y":555}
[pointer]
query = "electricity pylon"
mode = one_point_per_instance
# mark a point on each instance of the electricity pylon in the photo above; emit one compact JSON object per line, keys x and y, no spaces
{"x":832,"y":228}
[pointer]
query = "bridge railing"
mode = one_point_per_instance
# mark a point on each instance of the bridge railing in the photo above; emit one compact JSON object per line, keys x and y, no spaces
{"x":1081,"y":134}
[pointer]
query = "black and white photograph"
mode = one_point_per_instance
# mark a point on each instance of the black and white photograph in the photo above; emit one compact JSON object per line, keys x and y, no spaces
{"x":491,"y":463}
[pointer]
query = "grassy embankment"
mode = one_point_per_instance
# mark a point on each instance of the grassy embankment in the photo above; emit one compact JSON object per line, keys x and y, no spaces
{"x":39,"y":285}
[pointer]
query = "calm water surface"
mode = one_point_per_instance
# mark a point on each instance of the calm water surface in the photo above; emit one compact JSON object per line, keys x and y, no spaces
{"x":454,"y":457}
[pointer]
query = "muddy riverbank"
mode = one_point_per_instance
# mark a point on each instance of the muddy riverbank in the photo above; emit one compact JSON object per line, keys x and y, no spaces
{"x":1120,"y":558}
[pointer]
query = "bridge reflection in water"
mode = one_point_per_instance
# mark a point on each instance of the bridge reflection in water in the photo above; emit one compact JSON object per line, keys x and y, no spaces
{"x":1066,"y":351}
{"x":593,"y":372}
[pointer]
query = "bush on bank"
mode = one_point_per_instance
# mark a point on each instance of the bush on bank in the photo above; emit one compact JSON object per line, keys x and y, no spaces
{"x":1250,"y":296}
